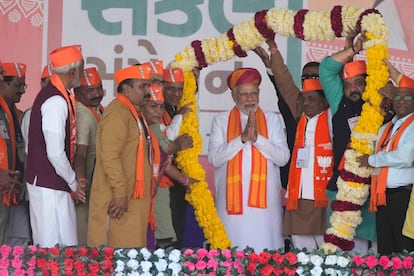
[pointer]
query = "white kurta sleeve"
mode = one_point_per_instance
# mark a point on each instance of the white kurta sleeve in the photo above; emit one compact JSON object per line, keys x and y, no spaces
{"x":174,"y":128}
{"x":25,"y":128}
{"x":274,"y":148}
{"x":219,"y":150}
{"x":54,"y":114}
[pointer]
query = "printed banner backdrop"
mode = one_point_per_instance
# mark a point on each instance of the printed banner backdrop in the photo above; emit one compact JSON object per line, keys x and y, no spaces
{"x":114,"y":34}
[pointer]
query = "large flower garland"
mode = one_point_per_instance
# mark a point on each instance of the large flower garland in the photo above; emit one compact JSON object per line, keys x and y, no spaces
{"x":305,"y":25}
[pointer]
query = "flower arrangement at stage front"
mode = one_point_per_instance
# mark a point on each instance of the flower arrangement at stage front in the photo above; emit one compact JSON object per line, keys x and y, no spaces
{"x":305,"y":25}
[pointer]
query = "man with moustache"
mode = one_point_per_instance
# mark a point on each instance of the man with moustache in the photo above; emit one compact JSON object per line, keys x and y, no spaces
{"x":127,"y":163}
{"x":343,"y":82}
{"x":12,"y":149}
{"x":51,"y":181}
{"x":247,"y":146}
{"x":88,"y":113}
{"x":393,"y":174}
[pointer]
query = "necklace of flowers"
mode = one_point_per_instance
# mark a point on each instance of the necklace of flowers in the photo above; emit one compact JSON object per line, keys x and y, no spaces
{"x":306,"y":25}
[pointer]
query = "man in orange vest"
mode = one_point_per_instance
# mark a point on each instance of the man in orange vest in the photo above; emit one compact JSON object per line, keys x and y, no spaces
{"x":393,"y":172}
{"x":88,"y":113}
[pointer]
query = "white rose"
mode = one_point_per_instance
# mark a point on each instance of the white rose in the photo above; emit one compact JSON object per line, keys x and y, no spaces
{"x":316,"y":260}
{"x":331,"y":260}
{"x":145,"y":274}
{"x":145,"y":253}
{"x":120,"y":266}
{"x":300,"y":271}
{"x":175,"y":255}
{"x":303,"y":258}
{"x":134,"y":273}
{"x":133,"y":264}
{"x":161,"y":265}
{"x":118,"y":253}
{"x":175,"y":267}
{"x":120,"y":274}
{"x":316,"y":271}
{"x":146,"y":266}
{"x":342,"y":261}
{"x":330,"y":271}
{"x":160,"y":252}
{"x":132,"y":254}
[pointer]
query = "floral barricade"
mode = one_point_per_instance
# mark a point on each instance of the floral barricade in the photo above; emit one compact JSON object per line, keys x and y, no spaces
{"x":108,"y":261}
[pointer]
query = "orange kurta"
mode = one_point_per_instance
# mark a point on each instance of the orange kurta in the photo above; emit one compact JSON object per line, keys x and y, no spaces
{"x":114,"y":176}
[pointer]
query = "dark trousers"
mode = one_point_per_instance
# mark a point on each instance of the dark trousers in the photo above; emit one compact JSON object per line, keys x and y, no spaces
{"x":178,"y":206}
{"x":390,"y":220}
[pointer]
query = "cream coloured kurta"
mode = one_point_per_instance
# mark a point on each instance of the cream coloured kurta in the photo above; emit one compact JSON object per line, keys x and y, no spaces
{"x":256,"y":227}
{"x":114,"y":177}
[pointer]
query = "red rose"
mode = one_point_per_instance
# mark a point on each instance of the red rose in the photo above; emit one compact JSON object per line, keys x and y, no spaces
{"x":79,"y":266}
{"x":267,"y":270}
{"x":69,"y":252}
{"x":54,"y":251}
{"x":45,"y":272}
{"x":82,"y":251}
{"x":277,"y":271}
{"x":108,"y":265}
{"x":68,"y":265}
{"x":94,"y":267}
{"x":277,"y":258}
{"x":253,"y":257}
{"x":264,"y":257}
{"x":54,"y":266}
{"x":290,"y":272}
{"x":42,"y":251}
{"x":41,"y":263}
{"x":108,"y":252}
{"x":251,"y":268}
{"x":291,"y":257}
{"x":94,"y":252}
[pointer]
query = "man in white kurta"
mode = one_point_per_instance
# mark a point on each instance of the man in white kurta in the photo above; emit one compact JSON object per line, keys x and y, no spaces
{"x":256,"y":227}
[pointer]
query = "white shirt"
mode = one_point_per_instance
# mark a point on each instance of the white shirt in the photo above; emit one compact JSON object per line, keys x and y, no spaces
{"x":54,"y":113}
{"x":399,"y":161}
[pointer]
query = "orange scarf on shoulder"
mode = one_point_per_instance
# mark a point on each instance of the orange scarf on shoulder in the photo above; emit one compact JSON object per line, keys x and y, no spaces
{"x":258,"y":178}
{"x":379,"y":182}
{"x":155,"y":157}
{"x":70,"y":101}
{"x":8,"y":199}
{"x":323,"y":152}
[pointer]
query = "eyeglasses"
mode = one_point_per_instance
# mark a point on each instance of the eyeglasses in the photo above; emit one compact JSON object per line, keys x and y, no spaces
{"x":405,"y":98}
{"x":310,"y":76}
{"x":154,"y":105}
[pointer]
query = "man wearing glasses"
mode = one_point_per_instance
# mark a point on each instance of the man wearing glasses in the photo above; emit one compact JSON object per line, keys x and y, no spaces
{"x":393,"y":173}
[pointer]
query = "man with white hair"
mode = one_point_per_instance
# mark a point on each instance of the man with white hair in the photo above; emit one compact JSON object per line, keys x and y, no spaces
{"x":51,"y":181}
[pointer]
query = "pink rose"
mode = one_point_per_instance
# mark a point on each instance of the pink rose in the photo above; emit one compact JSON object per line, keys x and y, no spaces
{"x":396,"y":263}
{"x":19,"y":272}
{"x":18,"y":250}
{"x":371,"y":261}
{"x":408,"y":263}
{"x":212,"y":264}
{"x":189,"y":265}
{"x":358,"y":260}
{"x":5,"y":251}
{"x":213,"y":253}
{"x":201,"y":265}
{"x":17,"y":262}
{"x":201,"y":253}
{"x":32,"y":248}
{"x":240,"y":255}
{"x":188,"y":252}
{"x":226,"y":253}
{"x":384,"y":262}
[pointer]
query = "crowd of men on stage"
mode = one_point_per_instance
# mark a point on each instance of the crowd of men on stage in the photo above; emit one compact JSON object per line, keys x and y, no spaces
{"x":75,"y":173}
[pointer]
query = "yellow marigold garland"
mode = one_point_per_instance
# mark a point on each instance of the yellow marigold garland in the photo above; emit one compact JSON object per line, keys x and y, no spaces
{"x":315,"y":26}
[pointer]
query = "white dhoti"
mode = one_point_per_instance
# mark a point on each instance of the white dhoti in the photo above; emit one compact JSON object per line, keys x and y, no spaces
{"x":52,"y":217}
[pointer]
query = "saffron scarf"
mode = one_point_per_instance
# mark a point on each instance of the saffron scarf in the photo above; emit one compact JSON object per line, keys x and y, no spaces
{"x":379,"y":182}
{"x":321,"y":174}
{"x":258,"y":178}
{"x":95,"y":112}
{"x":70,"y":101}
{"x":155,"y":157}
{"x":8,"y":199}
